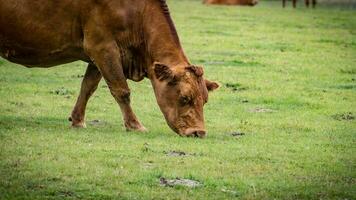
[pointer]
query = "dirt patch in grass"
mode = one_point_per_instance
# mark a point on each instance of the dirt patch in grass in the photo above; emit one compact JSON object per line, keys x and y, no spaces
{"x":237,"y":134}
{"x":179,"y":182}
{"x":178,"y":153}
{"x":348,"y":116}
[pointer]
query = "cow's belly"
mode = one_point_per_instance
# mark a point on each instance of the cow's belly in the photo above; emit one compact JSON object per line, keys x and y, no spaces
{"x":34,"y":56}
{"x":40,"y":33}
{"x":40,"y":52}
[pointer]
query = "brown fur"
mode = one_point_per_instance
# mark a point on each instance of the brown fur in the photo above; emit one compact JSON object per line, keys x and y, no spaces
{"x":120,"y":40}
{"x":232,"y":2}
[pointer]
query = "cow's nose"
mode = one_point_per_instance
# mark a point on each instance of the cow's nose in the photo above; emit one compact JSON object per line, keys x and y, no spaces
{"x":195,"y":133}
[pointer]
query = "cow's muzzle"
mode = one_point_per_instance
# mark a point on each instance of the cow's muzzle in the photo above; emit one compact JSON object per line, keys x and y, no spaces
{"x":190,"y":132}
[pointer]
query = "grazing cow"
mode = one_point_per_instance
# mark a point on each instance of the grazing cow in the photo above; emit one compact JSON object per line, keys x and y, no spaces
{"x":295,"y":3}
{"x":232,"y":2}
{"x":120,"y":40}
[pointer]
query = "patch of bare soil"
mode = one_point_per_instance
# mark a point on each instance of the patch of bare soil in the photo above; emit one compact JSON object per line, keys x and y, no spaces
{"x":179,"y":181}
{"x":176,"y":153}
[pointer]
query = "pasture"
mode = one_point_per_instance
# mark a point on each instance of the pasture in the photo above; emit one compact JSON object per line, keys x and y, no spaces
{"x":281,"y":126}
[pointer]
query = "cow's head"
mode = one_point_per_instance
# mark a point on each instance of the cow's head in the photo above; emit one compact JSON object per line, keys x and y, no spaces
{"x":181,"y":93}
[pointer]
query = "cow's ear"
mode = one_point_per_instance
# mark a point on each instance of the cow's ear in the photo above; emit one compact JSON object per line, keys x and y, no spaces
{"x":163,"y":72}
{"x":210,"y":85}
{"x":197,"y":70}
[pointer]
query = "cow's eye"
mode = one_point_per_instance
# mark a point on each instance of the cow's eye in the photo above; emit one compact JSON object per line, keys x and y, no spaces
{"x":185,"y":100}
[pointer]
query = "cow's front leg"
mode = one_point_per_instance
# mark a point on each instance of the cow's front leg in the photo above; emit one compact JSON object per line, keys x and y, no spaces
{"x":90,"y":82}
{"x":107,"y":57}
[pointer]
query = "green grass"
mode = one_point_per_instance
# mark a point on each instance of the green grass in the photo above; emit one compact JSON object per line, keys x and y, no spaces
{"x":298,"y":63}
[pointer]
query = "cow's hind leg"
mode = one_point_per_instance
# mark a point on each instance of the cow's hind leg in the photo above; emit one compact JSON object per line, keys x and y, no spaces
{"x":107,"y":58}
{"x":90,"y":82}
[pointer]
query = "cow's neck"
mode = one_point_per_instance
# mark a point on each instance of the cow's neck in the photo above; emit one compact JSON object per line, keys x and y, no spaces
{"x":162,"y":40}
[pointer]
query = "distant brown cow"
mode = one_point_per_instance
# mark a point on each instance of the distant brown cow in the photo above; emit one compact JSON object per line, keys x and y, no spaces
{"x":295,"y":3}
{"x":120,"y":40}
{"x":232,"y":2}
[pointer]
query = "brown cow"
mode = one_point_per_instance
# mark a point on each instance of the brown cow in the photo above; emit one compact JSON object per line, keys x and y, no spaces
{"x":295,"y":3}
{"x":120,"y":40}
{"x":232,"y":2}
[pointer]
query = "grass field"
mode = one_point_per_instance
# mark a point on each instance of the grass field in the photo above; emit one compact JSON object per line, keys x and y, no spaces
{"x":282,"y":126}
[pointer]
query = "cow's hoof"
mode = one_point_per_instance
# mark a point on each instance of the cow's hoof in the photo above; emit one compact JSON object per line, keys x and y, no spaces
{"x":143,"y":129}
{"x":135,"y":127}
{"x":79,"y":125}
{"x":139,"y":129}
